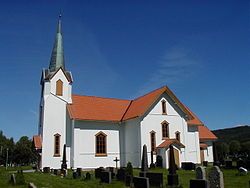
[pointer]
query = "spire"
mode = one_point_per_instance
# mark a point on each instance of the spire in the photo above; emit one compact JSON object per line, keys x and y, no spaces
{"x":57,"y":56}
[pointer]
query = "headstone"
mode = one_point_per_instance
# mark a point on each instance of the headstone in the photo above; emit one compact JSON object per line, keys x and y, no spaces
{"x":198,"y":184}
{"x":173,"y":179}
{"x":152,"y":165}
{"x":74,"y":174}
{"x":188,"y":166}
{"x":106,"y":177}
{"x":64,"y":161}
{"x":155,"y":179}
{"x":200,"y":173}
{"x":144,"y":161}
{"x":159,"y":161}
{"x":229,"y":164}
{"x":243,"y":171}
{"x":98,"y":172}
{"x":79,"y":172}
{"x":46,"y":170}
{"x":121,"y":174}
{"x":88,"y":176}
{"x":112,"y":170}
{"x":13,"y":179}
{"x":55,"y":171}
{"x":240,"y":163}
{"x":116,"y":161}
{"x":31,"y":185}
{"x":128,"y":180}
{"x":141,"y":182}
{"x":215,"y":177}
{"x":205,"y":163}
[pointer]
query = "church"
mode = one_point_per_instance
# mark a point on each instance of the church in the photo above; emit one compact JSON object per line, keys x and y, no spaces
{"x":97,"y":130}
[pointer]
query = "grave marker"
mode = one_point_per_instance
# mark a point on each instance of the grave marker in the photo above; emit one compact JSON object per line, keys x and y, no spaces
{"x":215,"y":177}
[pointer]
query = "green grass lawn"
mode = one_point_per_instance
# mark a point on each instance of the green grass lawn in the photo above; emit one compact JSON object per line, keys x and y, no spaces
{"x":231,"y":179}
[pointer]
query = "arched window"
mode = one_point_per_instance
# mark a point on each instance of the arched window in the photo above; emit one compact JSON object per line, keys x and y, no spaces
{"x":59,"y":87}
{"x":153,"y":142}
{"x":57,"y":145}
{"x":165,"y":131}
{"x":163,"y":105}
{"x":101,"y":144}
{"x":177,"y":136}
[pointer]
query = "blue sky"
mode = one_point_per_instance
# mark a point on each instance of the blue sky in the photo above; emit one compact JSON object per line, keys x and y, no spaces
{"x":124,"y":49}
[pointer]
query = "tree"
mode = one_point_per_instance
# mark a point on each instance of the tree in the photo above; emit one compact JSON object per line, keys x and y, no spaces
{"x":234,"y":147}
{"x":24,"y":153}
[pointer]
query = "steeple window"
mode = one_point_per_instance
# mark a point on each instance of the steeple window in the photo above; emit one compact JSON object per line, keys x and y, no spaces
{"x":59,"y":87}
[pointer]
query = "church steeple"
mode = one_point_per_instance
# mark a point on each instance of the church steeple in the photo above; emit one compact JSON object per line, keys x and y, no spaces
{"x":57,"y":56}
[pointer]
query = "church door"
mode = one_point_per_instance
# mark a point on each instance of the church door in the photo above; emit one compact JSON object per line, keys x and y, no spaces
{"x":177,"y":157}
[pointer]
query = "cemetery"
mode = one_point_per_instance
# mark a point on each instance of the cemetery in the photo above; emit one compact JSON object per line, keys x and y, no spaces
{"x":229,"y":175}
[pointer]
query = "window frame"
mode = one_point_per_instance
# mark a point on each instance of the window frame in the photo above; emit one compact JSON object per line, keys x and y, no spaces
{"x":153,"y":141}
{"x":179,"y":136}
{"x":99,"y":154}
{"x":164,"y":107}
{"x":59,"y":87}
{"x":165,"y":128}
{"x":57,"y":146}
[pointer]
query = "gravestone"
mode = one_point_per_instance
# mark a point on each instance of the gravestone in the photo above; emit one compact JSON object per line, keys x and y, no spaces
{"x":188,"y":166}
{"x":31,"y":185}
{"x":116,"y":161}
{"x":56,"y":172}
{"x":74,"y":174}
{"x":200,"y":173}
{"x":152,"y":165}
{"x":215,"y":177}
{"x":88,"y":176}
{"x":46,"y":170}
{"x":98,"y":172}
{"x":13,"y":179}
{"x":141,"y":182}
{"x":173,"y":179}
{"x":243,"y":171}
{"x":240,"y":163}
{"x":205,"y":163}
{"x":155,"y":179}
{"x":79,"y":172}
{"x":112,"y":170}
{"x":105,"y":177}
{"x":229,"y":164}
{"x":121,"y":173}
{"x":198,"y":184}
{"x":144,"y":160}
{"x":64,"y":161}
{"x":159,"y":161}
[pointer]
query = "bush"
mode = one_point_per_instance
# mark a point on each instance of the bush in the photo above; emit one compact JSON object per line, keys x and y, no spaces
{"x":159,"y":161}
{"x":129,"y":169}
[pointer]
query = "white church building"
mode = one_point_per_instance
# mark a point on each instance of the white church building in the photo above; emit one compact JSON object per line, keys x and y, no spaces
{"x":96,"y":130}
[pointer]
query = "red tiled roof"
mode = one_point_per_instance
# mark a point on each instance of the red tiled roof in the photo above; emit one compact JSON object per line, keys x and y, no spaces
{"x":108,"y":109}
{"x":203,"y":146}
{"x":205,"y":133}
{"x":166,"y":143}
{"x":97,"y":108}
{"x":37,"y":141}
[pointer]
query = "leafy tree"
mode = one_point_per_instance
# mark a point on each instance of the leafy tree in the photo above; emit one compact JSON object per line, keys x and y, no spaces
{"x":24,"y":153}
{"x":234,"y":147}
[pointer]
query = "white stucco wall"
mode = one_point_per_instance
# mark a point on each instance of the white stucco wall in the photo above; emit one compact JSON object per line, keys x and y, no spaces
{"x":132,"y":149}
{"x":208,"y":153}
{"x":85,"y":146}
{"x":188,"y":136}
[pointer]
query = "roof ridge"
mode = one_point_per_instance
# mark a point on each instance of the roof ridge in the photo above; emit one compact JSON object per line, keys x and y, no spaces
{"x":101,"y":97}
{"x":149,"y":93}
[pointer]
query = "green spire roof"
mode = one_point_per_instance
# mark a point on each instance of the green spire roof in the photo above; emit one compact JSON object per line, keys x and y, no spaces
{"x":57,"y":56}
